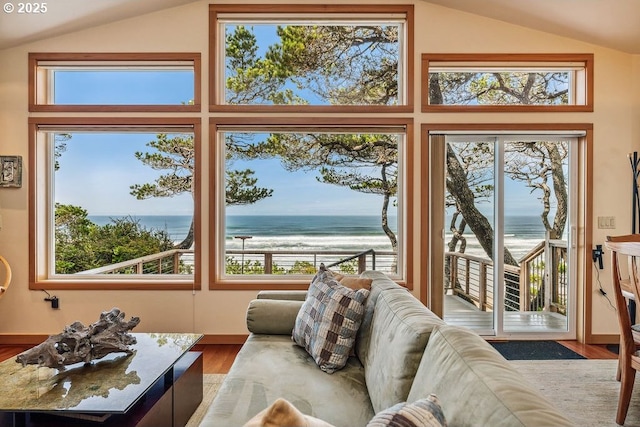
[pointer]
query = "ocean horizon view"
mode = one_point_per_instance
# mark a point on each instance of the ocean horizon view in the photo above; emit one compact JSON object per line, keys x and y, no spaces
{"x":326,"y":232}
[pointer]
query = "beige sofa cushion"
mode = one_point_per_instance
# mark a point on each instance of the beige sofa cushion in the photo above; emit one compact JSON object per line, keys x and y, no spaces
{"x":269,"y":367}
{"x":399,"y":333}
{"x":270,"y":316}
{"x":477,"y":386}
{"x":379,"y":283}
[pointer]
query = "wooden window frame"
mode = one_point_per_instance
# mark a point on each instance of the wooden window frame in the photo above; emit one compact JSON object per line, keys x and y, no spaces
{"x":505,"y":59}
{"x":38,"y":84}
{"x":432,"y":188}
{"x":39,"y":196}
{"x":215,"y":105}
{"x":280,"y":282}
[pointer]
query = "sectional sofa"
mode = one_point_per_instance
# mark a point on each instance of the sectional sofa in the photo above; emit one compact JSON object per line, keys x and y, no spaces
{"x":403,"y":352}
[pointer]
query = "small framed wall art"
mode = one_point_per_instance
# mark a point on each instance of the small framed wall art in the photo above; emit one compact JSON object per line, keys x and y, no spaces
{"x":11,"y":171}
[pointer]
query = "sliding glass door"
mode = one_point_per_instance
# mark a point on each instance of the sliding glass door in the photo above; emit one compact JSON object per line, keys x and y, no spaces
{"x":510,"y":218}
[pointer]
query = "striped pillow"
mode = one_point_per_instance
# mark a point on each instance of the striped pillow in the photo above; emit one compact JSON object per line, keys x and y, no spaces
{"x":421,"y":413}
{"x":328,"y":321}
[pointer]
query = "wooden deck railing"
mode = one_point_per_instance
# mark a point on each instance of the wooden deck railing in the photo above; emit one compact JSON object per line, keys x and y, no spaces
{"x":180,"y":261}
{"x":307,"y":262}
{"x":531,"y":286}
{"x":174,"y":261}
{"x":538,"y":283}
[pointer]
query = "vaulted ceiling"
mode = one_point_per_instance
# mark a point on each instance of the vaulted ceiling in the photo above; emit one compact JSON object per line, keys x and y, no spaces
{"x":609,"y":23}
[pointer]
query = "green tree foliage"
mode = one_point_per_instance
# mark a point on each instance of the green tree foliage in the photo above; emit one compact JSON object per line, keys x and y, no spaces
{"x":82,"y":245}
{"x":338,"y":64}
{"x":74,"y":251}
{"x":532,"y":163}
{"x":499,"y":88}
{"x":367,"y":163}
{"x":175,"y":154}
{"x":303,"y":267}
{"x":348,"y":65}
{"x":60,"y":146}
{"x":252,"y":79}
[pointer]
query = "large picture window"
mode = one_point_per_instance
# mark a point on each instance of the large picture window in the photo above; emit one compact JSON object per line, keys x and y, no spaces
{"x":507,"y":82}
{"x":299,"y":195}
{"x":311,"y":57}
{"x":115,"y":204}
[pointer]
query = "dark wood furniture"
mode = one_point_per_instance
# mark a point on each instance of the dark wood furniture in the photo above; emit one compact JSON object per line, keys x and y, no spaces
{"x":159,"y":385}
{"x":625,"y":251}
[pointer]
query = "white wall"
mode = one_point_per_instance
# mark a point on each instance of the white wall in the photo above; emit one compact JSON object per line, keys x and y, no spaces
{"x":616,"y":130}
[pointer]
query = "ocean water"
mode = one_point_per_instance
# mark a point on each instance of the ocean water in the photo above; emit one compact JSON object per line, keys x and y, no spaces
{"x":349,"y":233}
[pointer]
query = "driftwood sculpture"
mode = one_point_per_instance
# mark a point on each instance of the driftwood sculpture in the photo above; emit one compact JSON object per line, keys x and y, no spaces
{"x":79,"y":343}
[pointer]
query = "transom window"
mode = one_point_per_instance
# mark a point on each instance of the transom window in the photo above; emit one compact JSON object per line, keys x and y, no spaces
{"x":513,"y":82}
{"x":311,"y":57}
{"x":115,"y":82}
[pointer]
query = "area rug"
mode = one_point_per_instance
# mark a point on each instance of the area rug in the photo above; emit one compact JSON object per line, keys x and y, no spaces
{"x":586,"y":391}
{"x":210,"y":384}
{"x":534,"y":350}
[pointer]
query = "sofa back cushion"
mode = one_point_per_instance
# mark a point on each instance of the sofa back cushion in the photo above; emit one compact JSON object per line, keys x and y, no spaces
{"x":400,"y":329}
{"x":477,"y":386}
{"x":379,"y":283}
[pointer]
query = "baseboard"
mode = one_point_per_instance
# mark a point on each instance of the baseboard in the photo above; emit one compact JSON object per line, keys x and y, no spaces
{"x":223,"y":339}
{"x":22,"y":339}
{"x":34,"y":339}
{"x":603,"y":339}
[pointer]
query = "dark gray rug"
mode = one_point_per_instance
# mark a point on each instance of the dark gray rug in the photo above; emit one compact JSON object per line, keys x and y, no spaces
{"x":534,"y":350}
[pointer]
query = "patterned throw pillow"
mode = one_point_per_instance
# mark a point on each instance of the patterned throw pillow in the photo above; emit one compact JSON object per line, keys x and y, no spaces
{"x":421,"y":413}
{"x":328,"y":321}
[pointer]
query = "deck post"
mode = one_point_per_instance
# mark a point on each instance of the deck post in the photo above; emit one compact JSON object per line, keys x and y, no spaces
{"x":548,"y":266}
{"x":268,"y":263}
{"x":482,"y":286}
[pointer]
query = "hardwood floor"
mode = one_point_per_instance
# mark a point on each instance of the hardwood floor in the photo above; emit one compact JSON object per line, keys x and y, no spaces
{"x":590,"y":351}
{"x":217,"y":359}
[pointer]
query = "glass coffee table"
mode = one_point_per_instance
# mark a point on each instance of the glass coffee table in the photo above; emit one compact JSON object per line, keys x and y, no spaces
{"x":160,"y":384}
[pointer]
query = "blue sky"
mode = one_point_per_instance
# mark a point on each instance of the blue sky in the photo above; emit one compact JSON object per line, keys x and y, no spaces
{"x":97,"y":169}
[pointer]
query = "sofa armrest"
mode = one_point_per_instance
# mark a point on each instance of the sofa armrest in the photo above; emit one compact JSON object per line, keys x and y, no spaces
{"x":272,"y":316}
{"x":283,"y":295}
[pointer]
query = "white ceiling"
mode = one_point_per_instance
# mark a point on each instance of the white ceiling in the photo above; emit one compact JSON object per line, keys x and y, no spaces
{"x":610,"y":23}
{"x":65,"y":16}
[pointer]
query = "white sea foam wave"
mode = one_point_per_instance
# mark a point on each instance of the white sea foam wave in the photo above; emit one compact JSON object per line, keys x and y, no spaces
{"x":311,"y":243}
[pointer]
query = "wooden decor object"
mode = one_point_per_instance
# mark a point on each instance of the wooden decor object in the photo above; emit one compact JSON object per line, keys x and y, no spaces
{"x":79,"y":343}
{"x":7,"y":279}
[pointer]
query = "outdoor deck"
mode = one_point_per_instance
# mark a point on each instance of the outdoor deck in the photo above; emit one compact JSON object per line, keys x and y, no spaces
{"x":461,"y":313}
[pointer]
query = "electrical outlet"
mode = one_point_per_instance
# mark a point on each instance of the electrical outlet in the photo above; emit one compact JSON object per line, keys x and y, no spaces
{"x":606,"y":222}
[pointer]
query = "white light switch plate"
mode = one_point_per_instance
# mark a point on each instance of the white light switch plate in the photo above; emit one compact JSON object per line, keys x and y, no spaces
{"x":606,"y":222}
